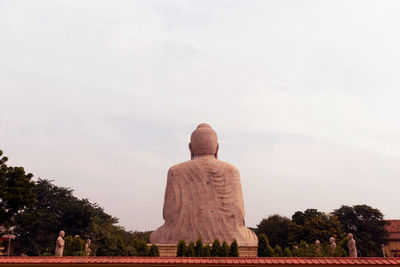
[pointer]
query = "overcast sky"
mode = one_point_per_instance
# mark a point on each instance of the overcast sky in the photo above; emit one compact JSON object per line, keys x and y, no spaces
{"x":102,"y":97}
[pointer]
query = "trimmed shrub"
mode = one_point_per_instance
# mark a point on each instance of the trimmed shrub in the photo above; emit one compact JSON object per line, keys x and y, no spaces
{"x":264,"y":249}
{"x":216,"y":248}
{"x":153,"y":251}
{"x":287,"y":252}
{"x":142,"y":249}
{"x":206,"y":251}
{"x":74,"y":246}
{"x":181,"y":248}
{"x":234,"y":249}
{"x":198,"y":248}
{"x":278,"y":251}
{"x":224,"y":252}
{"x":190,"y":250}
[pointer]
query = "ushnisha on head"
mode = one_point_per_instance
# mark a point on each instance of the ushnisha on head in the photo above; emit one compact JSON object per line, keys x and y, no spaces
{"x":203,"y":142}
{"x":350,"y":236}
{"x":62,"y":233}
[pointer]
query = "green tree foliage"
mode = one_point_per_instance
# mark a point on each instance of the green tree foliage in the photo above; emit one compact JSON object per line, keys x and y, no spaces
{"x":295,"y":251}
{"x":198,"y":248}
{"x":74,"y":246}
{"x":311,"y":225}
{"x":145,"y":235}
{"x":153,"y":251}
{"x":276,"y":228}
{"x":181,"y":248}
{"x":287,"y":252}
{"x":304,"y":249}
{"x":16,"y":192}
{"x":278,"y":251}
{"x":216,"y":248}
{"x":234,"y":249}
{"x":206,"y":251}
{"x":224,"y":252}
{"x":367,"y":226}
{"x":190,"y":250}
{"x":142,"y":250}
{"x":57,"y":209}
{"x":264,"y":249}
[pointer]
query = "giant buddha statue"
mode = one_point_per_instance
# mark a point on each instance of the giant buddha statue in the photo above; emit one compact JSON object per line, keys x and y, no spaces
{"x":203,"y":197}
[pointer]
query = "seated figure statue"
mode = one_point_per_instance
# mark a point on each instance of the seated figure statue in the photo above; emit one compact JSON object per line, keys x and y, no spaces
{"x":203,"y":197}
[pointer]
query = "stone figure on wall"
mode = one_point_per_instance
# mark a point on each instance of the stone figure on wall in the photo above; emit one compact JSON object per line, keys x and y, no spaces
{"x":352,"y":246}
{"x":203,"y":197}
{"x":317,"y":246}
{"x":60,"y":244}
{"x":332,"y":244}
{"x":87,"y":247}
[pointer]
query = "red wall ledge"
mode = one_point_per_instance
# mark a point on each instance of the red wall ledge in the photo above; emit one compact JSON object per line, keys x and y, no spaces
{"x":174,"y":261}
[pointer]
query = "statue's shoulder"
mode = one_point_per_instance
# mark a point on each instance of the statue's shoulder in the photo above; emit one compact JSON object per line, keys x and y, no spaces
{"x":227,"y":166}
{"x":180,"y":166}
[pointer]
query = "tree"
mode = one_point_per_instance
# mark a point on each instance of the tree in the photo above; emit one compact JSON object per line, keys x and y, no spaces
{"x":216,"y":248}
{"x":198,"y":248}
{"x":367,"y":225}
{"x":16,"y":192}
{"x":142,"y":249}
{"x":224,"y":252}
{"x":37,"y":227}
{"x":206,"y":251}
{"x":276,"y":228}
{"x":264,"y":249}
{"x":39,"y":210}
{"x":74,"y":246}
{"x":56,"y":209}
{"x":181,"y":248}
{"x":153,"y":251}
{"x":300,"y":217}
{"x":304,"y":249}
{"x":234,"y":249}
{"x":287,"y":252}
{"x":278,"y":251}
{"x":311,"y":225}
{"x":190,"y":250}
{"x":145,"y":235}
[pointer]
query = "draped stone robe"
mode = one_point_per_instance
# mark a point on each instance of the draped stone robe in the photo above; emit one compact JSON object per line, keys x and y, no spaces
{"x":203,"y":199}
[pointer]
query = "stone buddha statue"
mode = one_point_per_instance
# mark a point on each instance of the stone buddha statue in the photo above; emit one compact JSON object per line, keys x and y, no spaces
{"x":203,"y":197}
{"x":352,"y":246}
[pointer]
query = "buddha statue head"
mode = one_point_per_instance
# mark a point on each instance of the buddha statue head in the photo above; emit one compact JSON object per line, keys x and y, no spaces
{"x":203,"y":142}
{"x":350,"y":236}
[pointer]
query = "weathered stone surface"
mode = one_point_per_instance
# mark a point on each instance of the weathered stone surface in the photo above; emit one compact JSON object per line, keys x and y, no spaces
{"x":352,"y":246}
{"x":332,"y":244}
{"x":60,"y":244}
{"x":203,"y":197}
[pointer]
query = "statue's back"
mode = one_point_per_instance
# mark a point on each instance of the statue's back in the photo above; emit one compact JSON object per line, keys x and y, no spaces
{"x":203,"y":199}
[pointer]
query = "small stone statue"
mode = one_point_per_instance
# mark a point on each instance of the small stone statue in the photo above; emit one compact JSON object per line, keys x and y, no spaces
{"x":352,"y":246}
{"x":60,"y":244}
{"x":317,"y":243}
{"x":87,"y":248}
{"x":332,"y":244}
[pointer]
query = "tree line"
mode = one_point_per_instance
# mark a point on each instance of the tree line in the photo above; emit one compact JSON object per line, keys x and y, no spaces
{"x":37,"y":210}
{"x":304,"y":228}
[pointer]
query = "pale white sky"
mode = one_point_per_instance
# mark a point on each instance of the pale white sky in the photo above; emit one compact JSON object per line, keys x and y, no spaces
{"x":102,"y":97}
